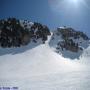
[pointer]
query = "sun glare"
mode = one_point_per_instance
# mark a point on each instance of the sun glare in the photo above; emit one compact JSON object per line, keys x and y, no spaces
{"x":75,"y":1}
{"x":66,"y":5}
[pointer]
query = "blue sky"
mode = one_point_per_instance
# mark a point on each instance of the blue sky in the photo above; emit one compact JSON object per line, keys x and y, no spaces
{"x":46,"y":12}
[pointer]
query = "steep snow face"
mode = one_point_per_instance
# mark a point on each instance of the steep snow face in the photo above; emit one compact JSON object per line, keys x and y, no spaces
{"x":37,"y":67}
{"x":57,"y":40}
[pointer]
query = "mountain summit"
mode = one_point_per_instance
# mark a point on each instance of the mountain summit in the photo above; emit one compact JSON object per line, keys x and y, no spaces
{"x":68,"y":42}
{"x":16,"y":33}
{"x":65,"y":40}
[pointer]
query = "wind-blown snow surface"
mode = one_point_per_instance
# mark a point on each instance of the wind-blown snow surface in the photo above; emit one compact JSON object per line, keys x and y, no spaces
{"x":40,"y":68}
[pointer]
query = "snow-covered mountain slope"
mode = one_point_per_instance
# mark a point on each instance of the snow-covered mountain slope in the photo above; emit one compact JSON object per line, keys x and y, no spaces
{"x":38,"y":67}
{"x":68,"y":42}
{"x":56,"y":62}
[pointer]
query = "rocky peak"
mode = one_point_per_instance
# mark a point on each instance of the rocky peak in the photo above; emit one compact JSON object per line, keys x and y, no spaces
{"x":66,"y":39}
{"x":16,"y":33}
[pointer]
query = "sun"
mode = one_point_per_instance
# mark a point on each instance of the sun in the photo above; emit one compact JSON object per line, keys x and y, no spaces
{"x":74,"y":1}
{"x":67,"y":5}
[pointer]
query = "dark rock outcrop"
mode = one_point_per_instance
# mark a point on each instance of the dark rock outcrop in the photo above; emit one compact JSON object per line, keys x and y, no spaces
{"x":69,"y":36}
{"x":13,"y":34}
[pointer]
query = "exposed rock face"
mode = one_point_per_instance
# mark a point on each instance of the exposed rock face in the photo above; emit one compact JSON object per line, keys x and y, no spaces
{"x":15,"y":33}
{"x":69,"y":36}
{"x":40,"y":31}
{"x":70,"y":32}
{"x":68,"y":45}
{"x":67,"y":41}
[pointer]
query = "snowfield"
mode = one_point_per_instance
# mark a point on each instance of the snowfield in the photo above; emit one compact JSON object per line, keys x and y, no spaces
{"x":38,"y":67}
